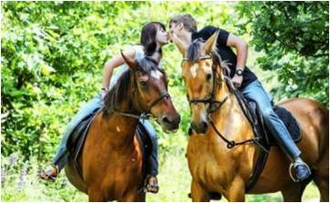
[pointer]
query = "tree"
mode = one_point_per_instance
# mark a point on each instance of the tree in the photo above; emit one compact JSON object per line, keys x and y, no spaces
{"x":295,"y":39}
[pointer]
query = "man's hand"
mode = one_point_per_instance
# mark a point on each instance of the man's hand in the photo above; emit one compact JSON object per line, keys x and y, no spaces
{"x":237,"y":81}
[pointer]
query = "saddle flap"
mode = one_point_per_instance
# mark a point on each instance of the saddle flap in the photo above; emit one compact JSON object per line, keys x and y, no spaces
{"x":285,"y":116}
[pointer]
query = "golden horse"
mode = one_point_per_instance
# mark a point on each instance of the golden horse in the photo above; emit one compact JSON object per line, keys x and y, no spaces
{"x":217,"y":169}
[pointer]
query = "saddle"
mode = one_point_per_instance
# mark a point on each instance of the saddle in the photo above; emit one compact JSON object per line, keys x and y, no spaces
{"x":262,"y":134}
{"x":79,"y":134}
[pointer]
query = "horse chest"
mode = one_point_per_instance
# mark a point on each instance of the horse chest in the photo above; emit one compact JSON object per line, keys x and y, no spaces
{"x":206,"y":164}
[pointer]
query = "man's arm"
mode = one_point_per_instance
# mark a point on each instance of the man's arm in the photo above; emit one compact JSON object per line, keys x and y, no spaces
{"x":241,"y":52}
{"x":241,"y":49}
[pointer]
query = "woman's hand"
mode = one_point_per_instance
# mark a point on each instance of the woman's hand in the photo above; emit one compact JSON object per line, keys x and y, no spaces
{"x":104,"y":91}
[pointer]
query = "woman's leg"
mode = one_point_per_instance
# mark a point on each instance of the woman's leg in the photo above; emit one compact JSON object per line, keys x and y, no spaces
{"x":256,"y":92}
{"x":152,"y":170}
{"x":62,"y":155}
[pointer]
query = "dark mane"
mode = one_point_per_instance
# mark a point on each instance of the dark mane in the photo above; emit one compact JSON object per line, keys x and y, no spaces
{"x":194,"y":50}
{"x":124,"y":85}
{"x":119,"y":91}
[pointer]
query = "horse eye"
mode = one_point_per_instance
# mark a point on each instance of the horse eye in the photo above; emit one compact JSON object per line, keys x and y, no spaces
{"x":208,"y":76}
{"x":143,"y":84}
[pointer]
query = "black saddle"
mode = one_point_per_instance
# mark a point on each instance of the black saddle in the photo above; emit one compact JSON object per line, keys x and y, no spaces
{"x":79,"y":134}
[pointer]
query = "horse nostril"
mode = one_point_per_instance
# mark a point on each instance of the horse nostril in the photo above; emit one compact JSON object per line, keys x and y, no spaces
{"x":166,"y":120}
{"x":204,"y":126}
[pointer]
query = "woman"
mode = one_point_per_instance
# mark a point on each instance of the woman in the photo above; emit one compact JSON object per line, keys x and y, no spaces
{"x":153,"y":37}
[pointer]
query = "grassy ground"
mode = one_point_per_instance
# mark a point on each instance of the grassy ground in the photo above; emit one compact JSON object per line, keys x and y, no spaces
{"x":20,"y":183}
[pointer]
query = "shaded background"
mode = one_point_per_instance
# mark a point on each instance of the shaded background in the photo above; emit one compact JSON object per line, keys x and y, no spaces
{"x":52,"y":56}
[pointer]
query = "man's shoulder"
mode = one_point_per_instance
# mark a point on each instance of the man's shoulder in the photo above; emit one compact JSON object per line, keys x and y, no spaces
{"x":205,"y":32}
{"x":208,"y":29}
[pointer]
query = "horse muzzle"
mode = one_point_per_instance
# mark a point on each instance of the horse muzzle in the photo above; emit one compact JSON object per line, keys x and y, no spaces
{"x":200,"y":127}
{"x":170,"y":123}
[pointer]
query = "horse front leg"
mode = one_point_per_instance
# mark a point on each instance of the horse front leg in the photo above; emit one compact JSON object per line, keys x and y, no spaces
{"x":236,"y":190}
{"x":198,"y":194}
{"x":134,"y":196}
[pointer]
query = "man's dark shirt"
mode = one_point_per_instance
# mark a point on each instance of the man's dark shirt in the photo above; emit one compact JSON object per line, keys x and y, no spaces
{"x":225,"y":52}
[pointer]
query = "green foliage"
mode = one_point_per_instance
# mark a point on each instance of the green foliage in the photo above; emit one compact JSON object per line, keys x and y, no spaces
{"x":295,"y":39}
{"x":52,"y":57}
{"x":52,"y":60}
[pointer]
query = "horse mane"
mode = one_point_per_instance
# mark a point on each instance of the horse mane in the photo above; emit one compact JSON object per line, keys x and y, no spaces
{"x":124,"y":84}
{"x":194,"y":52}
{"x":118,"y":91}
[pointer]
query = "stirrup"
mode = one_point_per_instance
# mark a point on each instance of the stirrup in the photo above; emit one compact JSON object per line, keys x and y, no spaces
{"x":292,"y":166}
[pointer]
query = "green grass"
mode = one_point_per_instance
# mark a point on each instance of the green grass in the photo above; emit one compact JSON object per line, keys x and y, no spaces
{"x":174,"y":180}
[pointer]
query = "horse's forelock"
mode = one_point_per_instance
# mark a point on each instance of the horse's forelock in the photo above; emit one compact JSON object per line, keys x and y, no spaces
{"x":194,"y":51}
{"x":146,"y":65}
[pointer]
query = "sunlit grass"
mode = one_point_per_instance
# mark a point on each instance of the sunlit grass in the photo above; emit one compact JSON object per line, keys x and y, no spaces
{"x":174,"y":179}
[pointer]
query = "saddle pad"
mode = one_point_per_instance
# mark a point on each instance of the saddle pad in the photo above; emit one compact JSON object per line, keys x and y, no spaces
{"x":290,"y":122}
{"x":78,"y":137}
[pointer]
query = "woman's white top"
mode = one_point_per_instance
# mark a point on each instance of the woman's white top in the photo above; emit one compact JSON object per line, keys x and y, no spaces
{"x":139,"y":54}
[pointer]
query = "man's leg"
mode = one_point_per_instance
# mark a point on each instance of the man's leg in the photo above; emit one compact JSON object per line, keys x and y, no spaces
{"x":256,"y":92}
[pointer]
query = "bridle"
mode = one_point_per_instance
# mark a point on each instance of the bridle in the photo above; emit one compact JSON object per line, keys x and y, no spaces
{"x":210,"y":99}
{"x":143,"y":114}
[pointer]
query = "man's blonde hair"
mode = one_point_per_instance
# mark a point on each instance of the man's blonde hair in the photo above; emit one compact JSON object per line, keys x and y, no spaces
{"x":189,"y":23}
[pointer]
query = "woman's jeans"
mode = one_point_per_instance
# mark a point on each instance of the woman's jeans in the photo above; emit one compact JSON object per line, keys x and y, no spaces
{"x":256,"y":92}
{"x":62,"y":155}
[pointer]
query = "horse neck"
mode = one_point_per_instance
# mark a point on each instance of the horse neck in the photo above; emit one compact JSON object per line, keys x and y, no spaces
{"x":229,"y":118}
{"x":119,"y":127}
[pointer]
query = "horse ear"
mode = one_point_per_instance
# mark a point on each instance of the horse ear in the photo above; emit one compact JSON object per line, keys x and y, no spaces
{"x":179,"y":44}
{"x":132,"y":63}
{"x":210,"y":44}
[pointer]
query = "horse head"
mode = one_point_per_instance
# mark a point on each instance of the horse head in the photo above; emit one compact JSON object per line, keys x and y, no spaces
{"x":203,"y":75}
{"x":150,"y":93}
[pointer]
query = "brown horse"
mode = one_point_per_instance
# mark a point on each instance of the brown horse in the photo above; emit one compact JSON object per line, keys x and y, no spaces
{"x":111,"y":159}
{"x":218,"y":169}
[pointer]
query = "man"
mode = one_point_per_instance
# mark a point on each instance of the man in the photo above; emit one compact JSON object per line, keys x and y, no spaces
{"x":183,"y":27}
